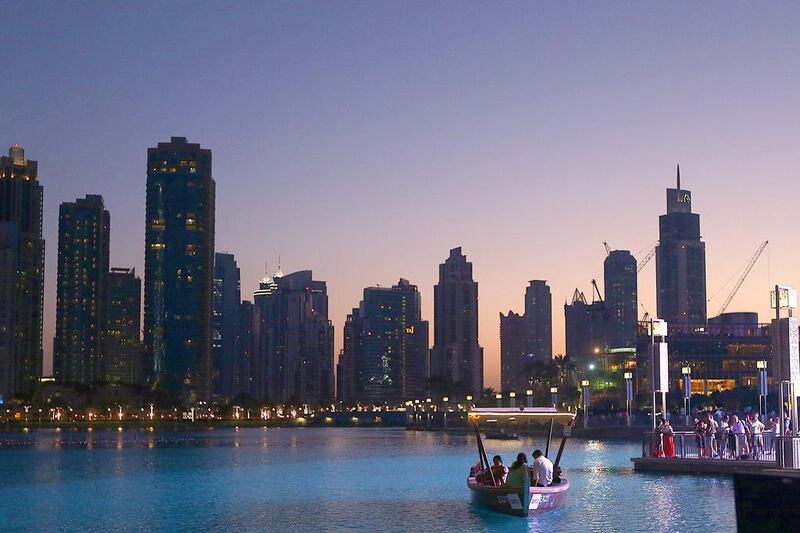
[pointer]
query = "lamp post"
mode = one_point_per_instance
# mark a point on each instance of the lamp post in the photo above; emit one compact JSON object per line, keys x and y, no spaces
{"x":687,"y":391}
{"x":585,"y":385}
{"x":529,"y":396}
{"x":512,"y":398}
{"x":499,"y":398}
{"x":628,"y":394}
{"x":554,"y":396}
{"x":444,"y":408}
{"x":762,"y":388}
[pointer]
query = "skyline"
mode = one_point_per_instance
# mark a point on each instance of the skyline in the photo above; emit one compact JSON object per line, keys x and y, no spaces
{"x":316,"y":150}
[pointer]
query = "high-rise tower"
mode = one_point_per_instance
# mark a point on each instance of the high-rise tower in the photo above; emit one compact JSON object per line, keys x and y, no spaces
{"x":84,"y":228}
{"x":385,"y":357}
{"x":225,"y":339}
{"x":179,"y":263}
{"x":619,"y":271}
{"x":539,"y":320}
{"x":21,"y":211}
{"x":681,"y":263}
{"x":456,"y":356}
{"x":122,"y":344}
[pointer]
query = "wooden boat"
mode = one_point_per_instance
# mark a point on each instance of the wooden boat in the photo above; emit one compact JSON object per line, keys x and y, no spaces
{"x":525,"y":500}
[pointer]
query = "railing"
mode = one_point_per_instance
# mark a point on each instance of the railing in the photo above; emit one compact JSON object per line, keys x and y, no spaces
{"x":723,"y":446}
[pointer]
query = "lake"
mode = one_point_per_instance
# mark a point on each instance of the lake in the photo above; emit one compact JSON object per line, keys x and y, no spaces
{"x":316,"y":479}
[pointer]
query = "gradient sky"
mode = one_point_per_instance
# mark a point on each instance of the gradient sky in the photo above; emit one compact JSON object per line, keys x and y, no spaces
{"x":364,"y":140}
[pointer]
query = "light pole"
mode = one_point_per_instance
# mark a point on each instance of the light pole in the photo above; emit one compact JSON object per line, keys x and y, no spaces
{"x":628,"y":394}
{"x":585,"y":385}
{"x":554,"y":396}
{"x":529,"y":395}
{"x":512,"y":398}
{"x":762,"y":388}
{"x":499,"y":398}
{"x":687,"y":391}
{"x":444,"y":408}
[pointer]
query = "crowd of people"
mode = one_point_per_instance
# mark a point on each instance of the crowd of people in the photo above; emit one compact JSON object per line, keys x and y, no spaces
{"x":721,"y":437}
{"x":540,"y":472}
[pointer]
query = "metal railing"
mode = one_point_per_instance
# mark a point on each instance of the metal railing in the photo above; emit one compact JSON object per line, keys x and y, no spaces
{"x":722,"y":446}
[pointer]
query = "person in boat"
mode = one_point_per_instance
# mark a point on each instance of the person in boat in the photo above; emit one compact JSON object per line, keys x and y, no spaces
{"x":499,"y":472}
{"x":542,"y":470}
{"x":518,"y":471}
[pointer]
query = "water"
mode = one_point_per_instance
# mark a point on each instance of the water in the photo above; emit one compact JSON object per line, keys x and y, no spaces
{"x":315,"y":479}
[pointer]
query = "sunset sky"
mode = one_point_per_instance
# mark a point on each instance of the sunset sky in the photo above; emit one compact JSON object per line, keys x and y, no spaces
{"x":364,"y":140}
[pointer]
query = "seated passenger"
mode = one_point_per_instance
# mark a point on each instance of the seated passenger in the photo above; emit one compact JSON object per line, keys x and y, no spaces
{"x":542,"y":470}
{"x":499,"y":471}
{"x":518,"y":471}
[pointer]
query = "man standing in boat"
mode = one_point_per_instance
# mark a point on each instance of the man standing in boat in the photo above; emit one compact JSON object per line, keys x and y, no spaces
{"x":542,"y":470}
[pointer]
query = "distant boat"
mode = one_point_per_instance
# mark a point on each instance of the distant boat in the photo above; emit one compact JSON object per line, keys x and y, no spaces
{"x":525,"y":500}
{"x":500,"y":434}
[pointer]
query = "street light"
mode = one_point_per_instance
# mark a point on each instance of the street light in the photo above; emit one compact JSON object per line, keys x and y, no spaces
{"x":762,"y":388}
{"x":529,"y":394}
{"x":554,"y":396}
{"x":499,"y":398}
{"x":512,"y":398}
{"x":585,"y":385}
{"x":687,"y":391}
{"x":628,"y":393}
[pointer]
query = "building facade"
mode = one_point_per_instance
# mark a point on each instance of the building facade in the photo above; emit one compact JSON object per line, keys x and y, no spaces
{"x":122,"y":345}
{"x":586,"y":330}
{"x":513,"y":352}
{"x":681,"y":263}
{"x":539,"y":320}
{"x":385,"y":353}
{"x":9,"y":258}
{"x":622,"y":301}
{"x":179,"y":262}
{"x":246,"y":381}
{"x":227,"y":299}
{"x":21,"y":205}
{"x":456,"y":356}
{"x":84,"y":228}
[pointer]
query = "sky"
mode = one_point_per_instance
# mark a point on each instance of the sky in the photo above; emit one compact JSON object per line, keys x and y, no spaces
{"x":364,"y":140}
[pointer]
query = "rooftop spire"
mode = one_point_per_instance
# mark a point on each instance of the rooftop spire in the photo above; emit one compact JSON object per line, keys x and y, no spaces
{"x":679,"y":176}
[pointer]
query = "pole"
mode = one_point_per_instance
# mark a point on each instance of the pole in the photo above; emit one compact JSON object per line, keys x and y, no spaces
{"x":653,"y":369}
{"x":549,"y":438}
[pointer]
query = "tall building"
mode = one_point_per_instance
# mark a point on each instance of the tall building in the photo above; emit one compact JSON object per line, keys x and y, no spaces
{"x":681,"y":263}
{"x":21,"y":204}
{"x":513,"y":352}
{"x":456,"y":356}
{"x":248,"y":338}
{"x":526,"y":338}
{"x":267,"y":321}
{"x":539,"y":320}
{"x":586,"y":330}
{"x":619,"y":270}
{"x":9,"y":257}
{"x":122,"y":345}
{"x":227,"y":298}
{"x":84,"y":228}
{"x":386,"y":347}
{"x":179,"y":263}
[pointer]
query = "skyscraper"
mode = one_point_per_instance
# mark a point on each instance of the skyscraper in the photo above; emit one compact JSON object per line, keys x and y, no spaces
{"x":227,"y":298}
{"x":21,"y":204}
{"x":248,"y":334}
{"x":298,"y":340}
{"x":539,"y":320}
{"x":9,"y":257}
{"x":526,"y":338}
{"x":122,"y":345}
{"x":456,"y":356}
{"x":619,"y":270}
{"x":386,"y":346}
{"x":586,"y":329}
{"x":179,"y":263}
{"x":267,"y":341}
{"x":84,"y":228}
{"x":681,"y":263}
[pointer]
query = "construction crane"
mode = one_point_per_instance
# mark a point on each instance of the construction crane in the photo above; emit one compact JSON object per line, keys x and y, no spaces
{"x":597,"y":291}
{"x":747,"y":270}
{"x":646,"y":259}
{"x":608,"y":249}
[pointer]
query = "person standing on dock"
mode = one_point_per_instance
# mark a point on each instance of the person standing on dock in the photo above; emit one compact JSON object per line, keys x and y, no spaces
{"x":711,"y":435}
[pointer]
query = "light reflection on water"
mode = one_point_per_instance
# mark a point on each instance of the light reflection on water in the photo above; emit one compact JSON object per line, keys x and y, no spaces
{"x":313,"y":479}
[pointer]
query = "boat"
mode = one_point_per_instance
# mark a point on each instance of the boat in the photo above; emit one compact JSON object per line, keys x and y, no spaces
{"x":500,"y":434}
{"x":526,"y":500}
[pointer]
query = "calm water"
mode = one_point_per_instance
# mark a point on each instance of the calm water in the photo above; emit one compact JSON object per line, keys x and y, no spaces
{"x":312,"y":479}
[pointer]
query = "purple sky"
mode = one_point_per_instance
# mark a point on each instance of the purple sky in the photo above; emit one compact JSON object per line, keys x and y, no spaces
{"x":364,"y":140}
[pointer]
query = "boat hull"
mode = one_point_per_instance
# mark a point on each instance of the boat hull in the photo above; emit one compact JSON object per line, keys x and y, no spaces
{"x":511,"y":501}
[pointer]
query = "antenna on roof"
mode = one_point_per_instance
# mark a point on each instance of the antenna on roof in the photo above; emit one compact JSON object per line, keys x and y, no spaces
{"x":679,"y":176}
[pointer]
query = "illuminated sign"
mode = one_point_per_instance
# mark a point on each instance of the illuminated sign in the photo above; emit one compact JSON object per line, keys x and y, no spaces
{"x":788,"y":297}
